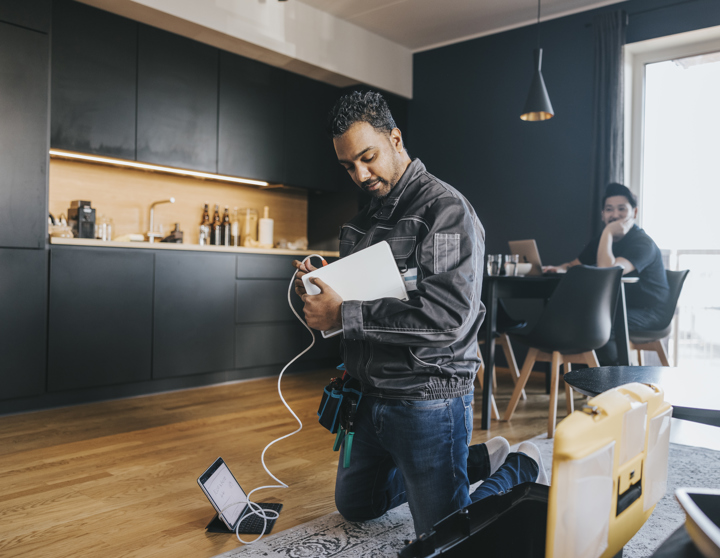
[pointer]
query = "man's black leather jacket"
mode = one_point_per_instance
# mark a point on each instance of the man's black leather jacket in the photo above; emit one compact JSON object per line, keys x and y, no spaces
{"x":424,"y":347}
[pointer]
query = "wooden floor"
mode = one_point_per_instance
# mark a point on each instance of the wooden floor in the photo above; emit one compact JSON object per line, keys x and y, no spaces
{"x":119,"y":478}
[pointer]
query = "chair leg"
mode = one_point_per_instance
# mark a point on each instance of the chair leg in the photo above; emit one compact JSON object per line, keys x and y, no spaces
{"x":569,"y":403}
{"x":512,"y":363}
{"x":591,"y":359}
{"x":554,"y":377}
{"x":524,"y":376}
{"x":494,"y":413}
{"x":660,"y":350}
{"x":640,"y":358}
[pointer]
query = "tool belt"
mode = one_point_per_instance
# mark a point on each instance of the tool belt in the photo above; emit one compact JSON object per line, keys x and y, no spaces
{"x":338,"y":406}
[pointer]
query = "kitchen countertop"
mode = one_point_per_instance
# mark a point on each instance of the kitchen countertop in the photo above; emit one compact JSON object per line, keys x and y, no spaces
{"x":192,"y":247}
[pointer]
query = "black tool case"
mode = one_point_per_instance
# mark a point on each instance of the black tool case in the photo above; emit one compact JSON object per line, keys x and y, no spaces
{"x":510,"y":524}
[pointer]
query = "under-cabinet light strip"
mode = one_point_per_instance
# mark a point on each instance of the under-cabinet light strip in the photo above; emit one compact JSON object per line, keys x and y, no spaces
{"x":157,"y":168}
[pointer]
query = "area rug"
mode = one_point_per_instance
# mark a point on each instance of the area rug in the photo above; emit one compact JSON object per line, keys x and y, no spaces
{"x":331,"y":536}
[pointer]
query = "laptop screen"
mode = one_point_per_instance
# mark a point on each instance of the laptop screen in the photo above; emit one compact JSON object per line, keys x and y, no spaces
{"x":224,"y":490}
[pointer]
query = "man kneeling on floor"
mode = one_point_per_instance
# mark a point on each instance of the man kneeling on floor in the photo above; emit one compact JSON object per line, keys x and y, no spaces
{"x":415,"y":359}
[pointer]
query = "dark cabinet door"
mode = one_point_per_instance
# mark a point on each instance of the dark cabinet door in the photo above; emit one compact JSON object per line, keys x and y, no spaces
{"x":310,"y":156}
{"x":194,"y":313}
{"x":250,"y":127}
{"x":24,"y":60}
{"x":23,"y":330}
{"x":100,"y":322}
{"x":177,"y":101}
{"x":33,"y":14}
{"x":94,"y":80}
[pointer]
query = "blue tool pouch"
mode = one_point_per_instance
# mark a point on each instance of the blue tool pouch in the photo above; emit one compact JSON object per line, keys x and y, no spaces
{"x":338,"y":390}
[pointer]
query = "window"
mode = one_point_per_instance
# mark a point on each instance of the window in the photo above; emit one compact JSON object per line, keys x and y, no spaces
{"x":674,"y":167}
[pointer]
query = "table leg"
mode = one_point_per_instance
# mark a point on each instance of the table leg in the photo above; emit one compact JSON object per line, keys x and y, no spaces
{"x":621,"y":329}
{"x":490,"y":328}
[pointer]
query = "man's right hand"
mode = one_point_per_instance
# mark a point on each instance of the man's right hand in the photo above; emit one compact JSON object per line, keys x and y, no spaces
{"x":554,"y":269}
{"x":302,"y":268}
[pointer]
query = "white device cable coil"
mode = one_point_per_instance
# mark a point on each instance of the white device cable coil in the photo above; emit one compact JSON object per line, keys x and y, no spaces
{"x":254,"y":507}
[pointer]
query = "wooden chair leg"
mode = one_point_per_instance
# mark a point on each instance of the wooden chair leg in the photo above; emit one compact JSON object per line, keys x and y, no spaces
{"x":512,"y":363}
{"x":524,"y":376}
{"x":554,"y":377}
{"x":569,"y":403}
{"x":660,"y":350}
{"x":640,"y":357}
{"x":494,"y":413}
{"x":591,"y":359}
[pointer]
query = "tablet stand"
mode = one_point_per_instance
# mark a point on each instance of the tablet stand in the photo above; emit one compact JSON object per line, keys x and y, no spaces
{"x":249,"y":527}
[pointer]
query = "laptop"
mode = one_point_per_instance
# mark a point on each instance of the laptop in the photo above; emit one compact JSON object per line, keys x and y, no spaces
{"x":368,"y":274}
{"x":230,"y":501}
{"x":528,"y":252}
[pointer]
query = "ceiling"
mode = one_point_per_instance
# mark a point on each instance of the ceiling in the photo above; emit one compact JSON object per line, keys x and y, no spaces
{"x":423,"y":24}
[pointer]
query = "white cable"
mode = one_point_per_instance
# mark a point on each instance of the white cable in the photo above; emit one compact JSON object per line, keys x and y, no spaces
{"x":254,"y":507}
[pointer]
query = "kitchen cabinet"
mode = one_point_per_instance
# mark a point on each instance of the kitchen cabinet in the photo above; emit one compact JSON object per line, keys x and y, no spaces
{"x":24,"y":61}
{"x":94,"y":81}
{"x":309,"y":153}
{"x":100,"y":317}
{"x":176,"y":101}
{"x":268,"y":344}
{"x":251,"y":120}
{"x":23,"y":330}
{"x":32,"y":14}
{"x":267,"y":331}
{"x":194,"y":313}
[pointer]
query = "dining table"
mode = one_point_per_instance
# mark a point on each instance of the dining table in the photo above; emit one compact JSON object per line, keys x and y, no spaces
{"x":497,"y":287}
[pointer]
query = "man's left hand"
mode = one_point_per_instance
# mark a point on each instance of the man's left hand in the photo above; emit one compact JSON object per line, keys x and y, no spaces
{"x":323,"y":311}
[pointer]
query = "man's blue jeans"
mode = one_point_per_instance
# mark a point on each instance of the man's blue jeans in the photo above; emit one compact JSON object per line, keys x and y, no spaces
{"x":416,"y":452}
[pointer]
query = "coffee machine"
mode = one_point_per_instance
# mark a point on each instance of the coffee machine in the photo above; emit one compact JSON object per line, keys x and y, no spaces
{"x":81,"y":217}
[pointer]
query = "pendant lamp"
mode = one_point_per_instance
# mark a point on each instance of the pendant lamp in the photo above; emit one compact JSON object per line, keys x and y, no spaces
{"x":537,"y":106}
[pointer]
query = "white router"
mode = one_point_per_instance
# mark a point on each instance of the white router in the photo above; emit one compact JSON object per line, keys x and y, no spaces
{"x":369,"y":274}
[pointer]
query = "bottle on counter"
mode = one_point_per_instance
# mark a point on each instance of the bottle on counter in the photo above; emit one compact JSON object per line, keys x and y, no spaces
{"x":265,"y":229}
{"x":225,"y":235}
{"x":235,"y":229}
{"x":205,"y":227}
{"x":216,"y":233}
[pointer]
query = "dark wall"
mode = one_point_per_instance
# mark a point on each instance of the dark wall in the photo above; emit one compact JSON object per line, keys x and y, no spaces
{"x":526,"y":179}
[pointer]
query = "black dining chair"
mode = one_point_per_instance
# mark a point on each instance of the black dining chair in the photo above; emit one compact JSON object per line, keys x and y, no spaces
{"x":577,"y":320}
{"x":651,"y":340}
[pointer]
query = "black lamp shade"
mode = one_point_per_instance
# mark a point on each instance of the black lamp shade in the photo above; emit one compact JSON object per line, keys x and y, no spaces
{"x":537,"y":106}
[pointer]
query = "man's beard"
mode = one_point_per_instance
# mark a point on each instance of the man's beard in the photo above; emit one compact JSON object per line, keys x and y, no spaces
{"x":382,"y":191}
{"x":386,"y":186}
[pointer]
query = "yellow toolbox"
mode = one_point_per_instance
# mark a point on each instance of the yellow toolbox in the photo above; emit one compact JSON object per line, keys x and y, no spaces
{"x":609,"y":470}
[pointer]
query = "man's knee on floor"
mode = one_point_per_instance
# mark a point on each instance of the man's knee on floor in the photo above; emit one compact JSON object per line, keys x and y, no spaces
{"x":356,"y":511}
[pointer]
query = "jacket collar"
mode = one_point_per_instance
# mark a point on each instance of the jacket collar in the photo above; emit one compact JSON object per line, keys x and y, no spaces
{"x":387,"y":205}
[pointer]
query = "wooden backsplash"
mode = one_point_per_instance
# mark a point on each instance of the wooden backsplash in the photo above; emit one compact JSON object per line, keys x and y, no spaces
{"x":125,"y":196}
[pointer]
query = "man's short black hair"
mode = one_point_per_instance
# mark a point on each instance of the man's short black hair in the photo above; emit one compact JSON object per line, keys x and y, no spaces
{"x":615,"y":189}
{"x":359,"y":106}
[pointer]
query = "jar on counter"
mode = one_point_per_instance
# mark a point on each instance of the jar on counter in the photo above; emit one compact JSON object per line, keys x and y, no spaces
{"x":104,"y":228}
{"x":249,"y":219}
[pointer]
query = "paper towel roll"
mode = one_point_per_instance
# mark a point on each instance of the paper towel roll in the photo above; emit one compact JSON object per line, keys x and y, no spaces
{"x":265,"y":229}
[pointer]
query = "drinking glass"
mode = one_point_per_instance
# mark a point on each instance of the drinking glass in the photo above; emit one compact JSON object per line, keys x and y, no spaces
{"x":511,"y":264}
{"x":494,"y":264}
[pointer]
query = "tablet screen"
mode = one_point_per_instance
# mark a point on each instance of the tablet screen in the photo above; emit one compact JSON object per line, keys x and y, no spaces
{"x":709,"y":504}
{"x":224,"y":490}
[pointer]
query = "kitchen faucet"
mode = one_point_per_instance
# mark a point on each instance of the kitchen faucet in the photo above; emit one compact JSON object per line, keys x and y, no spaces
{"x":152,"y":235}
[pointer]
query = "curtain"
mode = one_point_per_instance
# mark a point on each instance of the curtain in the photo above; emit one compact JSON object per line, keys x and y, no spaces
{"x":608,"y":106}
